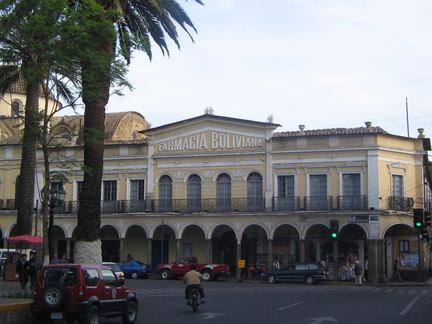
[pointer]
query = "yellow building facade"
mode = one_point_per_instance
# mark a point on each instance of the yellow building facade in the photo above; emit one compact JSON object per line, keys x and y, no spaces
{"x":226,"y":189}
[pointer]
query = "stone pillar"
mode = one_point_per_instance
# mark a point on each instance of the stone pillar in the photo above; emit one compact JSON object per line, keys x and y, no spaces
{"x":209,"y":255}
{"x":336,"y":260}
{"x":270,"y":254}
{"x":318,"y":250}
{"x":149,"y":251}
{"x":302,"y":250}
{"x":68,"y":249}
{"x":238,"y":257}
{"x":178,"y":249}
{"x":121,"y":252}
{"x":376,"y":249}
{"x":361,"y":250}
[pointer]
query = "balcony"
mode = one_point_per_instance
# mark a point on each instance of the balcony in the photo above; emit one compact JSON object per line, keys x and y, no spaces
{"x":178,"y":205}
{"x":208,"y":205}
{"x":318,"y":203}
{"x":401,"y":203}
{"x":286,"y":203}
{"x":352,"y":203}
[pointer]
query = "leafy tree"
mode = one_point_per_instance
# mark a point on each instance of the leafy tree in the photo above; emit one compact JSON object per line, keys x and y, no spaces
{"x":45,"y":40}
{"x":136,"y":22}
{"x":29,"y":39}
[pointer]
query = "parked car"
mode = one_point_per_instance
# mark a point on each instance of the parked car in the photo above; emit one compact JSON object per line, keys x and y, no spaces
{"x":135,"y":269}
{"x":81,"y":292}
{"x":309,"y":272}
{"x":120,"y":274}
{"x":4,"y":254}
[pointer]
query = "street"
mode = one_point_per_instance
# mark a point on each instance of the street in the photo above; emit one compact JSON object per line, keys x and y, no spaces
{"x":258,"y":302}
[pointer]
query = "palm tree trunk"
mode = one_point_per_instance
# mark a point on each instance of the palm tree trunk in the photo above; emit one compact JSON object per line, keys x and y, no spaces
{"x":96,"y":86}
{"x":25,"y":197}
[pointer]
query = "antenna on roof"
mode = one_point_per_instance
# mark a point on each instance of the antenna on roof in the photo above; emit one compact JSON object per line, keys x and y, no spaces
{"x":406,"y":109}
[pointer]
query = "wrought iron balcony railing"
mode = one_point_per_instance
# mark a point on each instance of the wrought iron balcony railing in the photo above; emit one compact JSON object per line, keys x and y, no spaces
{"x":401,"y":203}
{"x":286,"y":203}
{"x":178,"y":205}
{"x":318,"y":203}
{"x":352,"y":203}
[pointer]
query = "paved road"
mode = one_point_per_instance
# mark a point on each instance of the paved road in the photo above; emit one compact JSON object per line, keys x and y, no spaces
{"x":259,"y":302}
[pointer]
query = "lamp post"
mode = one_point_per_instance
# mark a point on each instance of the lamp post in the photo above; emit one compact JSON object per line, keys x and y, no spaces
{"x":55,"y":199}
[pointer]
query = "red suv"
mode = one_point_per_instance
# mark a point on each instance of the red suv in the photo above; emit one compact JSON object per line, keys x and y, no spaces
{"x":82,"y":292}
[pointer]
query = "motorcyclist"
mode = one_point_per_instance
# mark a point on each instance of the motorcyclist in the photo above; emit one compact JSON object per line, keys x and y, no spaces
{"x":193,"y":279}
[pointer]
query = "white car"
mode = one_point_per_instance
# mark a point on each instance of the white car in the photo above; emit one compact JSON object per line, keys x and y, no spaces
{"x":117,"y":270}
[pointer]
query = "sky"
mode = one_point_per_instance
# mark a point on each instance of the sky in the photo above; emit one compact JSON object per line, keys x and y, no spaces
{"x":319,"y":63}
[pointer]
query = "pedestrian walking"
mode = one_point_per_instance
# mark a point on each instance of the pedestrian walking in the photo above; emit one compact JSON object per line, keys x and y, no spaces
{"x":33,"y":269}
{"x":358,"y":272}
{"x":396,"y":272}
{"x":22,"y":268}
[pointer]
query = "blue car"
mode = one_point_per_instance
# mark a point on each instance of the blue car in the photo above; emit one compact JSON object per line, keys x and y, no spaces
{"x":135,"y":269}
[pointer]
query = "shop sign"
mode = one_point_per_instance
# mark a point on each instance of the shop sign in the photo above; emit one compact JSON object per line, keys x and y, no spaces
{"x":210,"y":141}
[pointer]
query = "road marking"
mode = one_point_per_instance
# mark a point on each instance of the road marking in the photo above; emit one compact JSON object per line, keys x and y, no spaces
{"x":424,"y":292}
{"x":401,"y":291}
{"x":285,"y":307}
{"x":321,"y":320}
{"x":409,"y":305}
{"x":389,"y":290}
{"x":210,"y":315}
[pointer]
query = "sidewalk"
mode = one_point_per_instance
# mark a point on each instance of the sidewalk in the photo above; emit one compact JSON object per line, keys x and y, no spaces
{"x":14,"y":310}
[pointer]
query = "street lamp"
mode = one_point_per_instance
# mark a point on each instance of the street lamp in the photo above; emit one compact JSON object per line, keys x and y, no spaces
{"x":55,"y":199}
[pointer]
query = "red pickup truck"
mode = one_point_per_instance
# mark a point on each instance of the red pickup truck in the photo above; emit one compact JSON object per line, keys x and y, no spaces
{"x":210,"y":271}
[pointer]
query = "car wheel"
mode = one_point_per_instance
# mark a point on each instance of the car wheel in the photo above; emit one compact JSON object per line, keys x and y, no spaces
{"x":271,"y":279}
{"x":207,"y":275}
{"x":310,"y":280}
{"x":92,"y":316}
{"x":131,"y":313}
{"x":134,"y":275}
{"x":165,"y":274}
{"x":54,"y":295}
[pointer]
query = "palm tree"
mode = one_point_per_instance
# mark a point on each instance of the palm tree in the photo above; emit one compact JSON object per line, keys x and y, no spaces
{"x":136,"y":22}
{"x":28,"y":37}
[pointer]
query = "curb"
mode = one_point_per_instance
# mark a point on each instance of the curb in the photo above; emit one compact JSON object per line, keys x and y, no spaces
{"x":16,"y":312}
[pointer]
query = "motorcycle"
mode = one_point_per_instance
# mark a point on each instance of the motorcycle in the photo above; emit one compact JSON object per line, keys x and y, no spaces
{"x":253,"y":272}
{"x":194,"y":299}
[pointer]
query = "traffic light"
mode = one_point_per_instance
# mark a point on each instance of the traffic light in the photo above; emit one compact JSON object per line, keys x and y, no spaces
{"x":427,"y":220}
{"x":418,"y":218}
{"x":334,"y":228}
{"x":425,"y":234}
{"x":425,"y":226}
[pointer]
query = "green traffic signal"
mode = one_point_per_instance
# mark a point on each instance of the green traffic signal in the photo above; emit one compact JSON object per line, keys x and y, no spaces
{"x":418,"y":218}
{"x":334,"y":235}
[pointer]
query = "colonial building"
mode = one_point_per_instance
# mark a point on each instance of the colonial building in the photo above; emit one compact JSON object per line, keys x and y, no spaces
{"x":226,"y":189}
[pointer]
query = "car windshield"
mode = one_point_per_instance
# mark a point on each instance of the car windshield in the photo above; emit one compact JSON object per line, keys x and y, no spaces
{"x":140,"y":263}
{"x":65,"y":276}
{"x":114,"y":266}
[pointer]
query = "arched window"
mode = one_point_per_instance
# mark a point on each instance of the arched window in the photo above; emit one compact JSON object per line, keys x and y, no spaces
{"x":165,"y":194}
{"x":194,"y":193}
{"x":223,"y":192}
{"x":16,"y":106}
{"x":254,"y":192}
